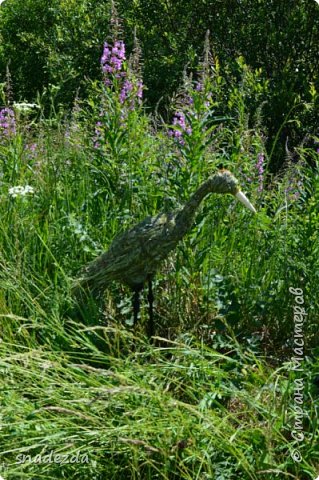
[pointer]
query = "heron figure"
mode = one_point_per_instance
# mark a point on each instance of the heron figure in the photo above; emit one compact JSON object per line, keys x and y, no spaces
{"x":135,"y":255}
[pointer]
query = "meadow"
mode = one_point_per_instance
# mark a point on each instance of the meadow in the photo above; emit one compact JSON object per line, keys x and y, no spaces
{"x":228,"y":389}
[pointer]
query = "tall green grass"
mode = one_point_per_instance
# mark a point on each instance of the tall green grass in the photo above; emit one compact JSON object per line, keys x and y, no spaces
{"x":182,"y":410}
{"x":211,"y":399}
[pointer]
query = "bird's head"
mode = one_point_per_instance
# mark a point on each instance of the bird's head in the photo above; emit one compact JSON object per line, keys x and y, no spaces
{"x":225,"y":182}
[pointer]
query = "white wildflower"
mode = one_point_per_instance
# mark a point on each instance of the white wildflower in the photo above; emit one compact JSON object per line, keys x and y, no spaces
{"x":28,"y":189}
{"x":20,"y":191}
{"x":25,"y":107}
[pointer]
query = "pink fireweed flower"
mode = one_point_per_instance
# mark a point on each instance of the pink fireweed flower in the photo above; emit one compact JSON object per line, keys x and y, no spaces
{"x":98,"y":134}
{"x":260,"y":170}
{"x":126,"y":90}
{"x":119,"y":49}
{"x":7,"y":122}
{"x":179,"y":121}
{"x":113,"y":57}
{"x":124,"y":85}
{"x":116,"y":75}
{"x":31,"y":150}
{"x":139,"y":92}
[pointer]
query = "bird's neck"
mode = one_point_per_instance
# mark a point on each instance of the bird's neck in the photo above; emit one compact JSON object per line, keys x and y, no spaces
{"x":185,"y":217}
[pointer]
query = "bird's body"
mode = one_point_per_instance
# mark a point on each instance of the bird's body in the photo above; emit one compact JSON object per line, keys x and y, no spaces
{"x":135,"y":255}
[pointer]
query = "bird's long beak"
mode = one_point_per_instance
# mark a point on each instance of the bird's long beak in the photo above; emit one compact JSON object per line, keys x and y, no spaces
{"x":243,"y":199}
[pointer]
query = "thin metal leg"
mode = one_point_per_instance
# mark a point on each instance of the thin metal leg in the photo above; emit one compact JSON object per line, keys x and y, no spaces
{"x":150,"y":306}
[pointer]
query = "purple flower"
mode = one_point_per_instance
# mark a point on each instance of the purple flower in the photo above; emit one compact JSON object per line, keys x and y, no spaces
{"x":260,"y":169}
{"x":98,"y":133}
{"x":260,"y":163}
{"x":119,"y":49}
{"x":31,"y":151}
{"x":7,"y":122}
{"x":112,"y":62}
{"x":31,"y":148}
{"x":113,"y":57}
{"x":139,"y":93}
{"x":189,"y":100}
{"x":177,"y":133}
{"x":126,"y":89}
{"x":179,"y":120}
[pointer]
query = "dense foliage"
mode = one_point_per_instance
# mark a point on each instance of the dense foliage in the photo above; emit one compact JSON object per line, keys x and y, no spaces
{"x":217,"y":394}
{"x":62,"y":40}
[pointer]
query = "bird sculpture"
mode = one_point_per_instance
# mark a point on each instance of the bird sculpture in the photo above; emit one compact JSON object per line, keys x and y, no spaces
{"x":135,"y":255}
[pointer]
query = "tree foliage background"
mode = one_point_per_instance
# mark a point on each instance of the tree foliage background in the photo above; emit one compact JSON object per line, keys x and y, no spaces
{"x":56,"y":44}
